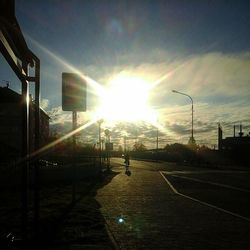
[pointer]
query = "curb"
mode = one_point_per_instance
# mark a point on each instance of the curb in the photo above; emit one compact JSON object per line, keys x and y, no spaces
{"x":111,"y":237}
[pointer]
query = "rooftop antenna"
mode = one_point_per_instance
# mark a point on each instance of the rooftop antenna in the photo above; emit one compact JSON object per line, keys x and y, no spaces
{"x":241,"y":133}
{"x":7,"y":83}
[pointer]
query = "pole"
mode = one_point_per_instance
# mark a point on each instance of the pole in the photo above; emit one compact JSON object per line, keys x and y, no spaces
{"x":37,"y":146}
{"x":157,"y":140}
{"x":108,"y":154}
{"x":192,"y":122}
{"x":25,"y":153}
{"x":100,"y":146}
{"x":107,"y":133}
{"x":157,"y":143}
{"x":100,"y":149}
{"x":125,"y":144}
{"x":74,"y":125}
{"x":192,"y":132}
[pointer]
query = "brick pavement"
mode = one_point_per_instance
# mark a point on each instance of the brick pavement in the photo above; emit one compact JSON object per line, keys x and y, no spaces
{"x":156,"y":218}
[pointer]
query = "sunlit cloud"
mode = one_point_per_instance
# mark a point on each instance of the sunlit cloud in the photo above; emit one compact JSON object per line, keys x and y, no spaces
{"x":58,"y":116}
{"x":218,"y":83}
{"x":212,"y":74}
{"x":206,"y":118}
{"x":44,"y":103}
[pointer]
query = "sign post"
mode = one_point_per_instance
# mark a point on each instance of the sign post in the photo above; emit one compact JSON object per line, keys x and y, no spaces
{"x":109,"y":147}
{"x":100,"y":146}
{"x":74,"y":97}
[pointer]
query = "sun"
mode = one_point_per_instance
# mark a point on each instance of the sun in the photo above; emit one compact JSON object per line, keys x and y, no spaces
{"x":126,"y":99}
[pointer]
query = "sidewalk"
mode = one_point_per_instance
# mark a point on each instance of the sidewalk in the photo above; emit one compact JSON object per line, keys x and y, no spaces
{"x":63,"y":225}
{"x":142,"y":212}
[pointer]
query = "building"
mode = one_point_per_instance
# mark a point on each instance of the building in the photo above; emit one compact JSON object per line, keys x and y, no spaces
{"x":237,"y":146}
{"x":11,"y":124}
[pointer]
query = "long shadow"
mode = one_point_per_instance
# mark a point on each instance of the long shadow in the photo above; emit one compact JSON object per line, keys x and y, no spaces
{"x":65,"y":224}
{"x":62,"y":223}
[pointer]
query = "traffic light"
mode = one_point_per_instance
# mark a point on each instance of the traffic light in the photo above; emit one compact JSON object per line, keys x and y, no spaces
{"x":74,"y":94}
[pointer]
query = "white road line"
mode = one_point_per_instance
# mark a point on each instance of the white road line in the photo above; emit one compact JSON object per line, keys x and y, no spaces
{"x":207,"y":172}
{"x":202,"y":202}
{"x":111,"y":237}
{"x":213,"y":183}
{"x":171,"y":186}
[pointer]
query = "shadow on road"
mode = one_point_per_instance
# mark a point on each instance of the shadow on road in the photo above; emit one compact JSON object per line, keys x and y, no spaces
{"x":128,"y":173}
{"x":62,"y":223}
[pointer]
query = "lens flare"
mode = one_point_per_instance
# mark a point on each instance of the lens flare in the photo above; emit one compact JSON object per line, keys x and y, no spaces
{"x":121,"y":220}
{"x":98,"y":89}
{"x":54,"y":143}
{"x":126,"y":99}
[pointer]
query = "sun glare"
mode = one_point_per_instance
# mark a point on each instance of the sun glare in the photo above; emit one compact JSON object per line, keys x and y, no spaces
{"x":126,"y":99}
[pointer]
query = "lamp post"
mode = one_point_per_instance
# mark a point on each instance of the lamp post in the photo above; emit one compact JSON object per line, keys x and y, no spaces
{"x":100,"y":145}
{"x":191,"y":140}
{"x":157,"y":140}
{"x":107,"y":133}
{"x":125,"y":144}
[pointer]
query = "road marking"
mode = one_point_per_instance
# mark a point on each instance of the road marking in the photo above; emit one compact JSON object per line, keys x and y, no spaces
{"x":168,"y":182}
{"x":111,"y":237}
{"x":202,"y":202}
{"x":206,"y":172}
{"x":212,"y":183}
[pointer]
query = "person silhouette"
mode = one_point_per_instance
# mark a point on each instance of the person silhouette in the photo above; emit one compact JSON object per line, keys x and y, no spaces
{"x":126,"y":157}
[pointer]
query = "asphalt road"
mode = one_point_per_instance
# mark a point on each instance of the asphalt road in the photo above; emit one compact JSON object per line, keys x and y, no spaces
{"x":227,"y":190}
{"x":168,"y":206}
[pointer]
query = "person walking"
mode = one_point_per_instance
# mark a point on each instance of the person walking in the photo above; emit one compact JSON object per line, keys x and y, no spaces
{"x":126,"y":161}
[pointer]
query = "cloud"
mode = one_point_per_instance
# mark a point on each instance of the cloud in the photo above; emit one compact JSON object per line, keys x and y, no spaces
{"x":177,"y":120}
{"x":216,"y":74}
{"x":57,"y":116}
{"x":218,"y":83}
{"x":209,"y":76}
{"x":44,"y":103}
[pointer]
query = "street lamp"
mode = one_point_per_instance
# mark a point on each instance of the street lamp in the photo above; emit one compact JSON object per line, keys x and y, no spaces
{"x":191,"y":140}
{"x":157,"y":140}
{"x":107,"y":133}
{"x":100,"y":148}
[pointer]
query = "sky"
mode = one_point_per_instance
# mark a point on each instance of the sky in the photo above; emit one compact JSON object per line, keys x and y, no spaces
{"x":201,"y":48}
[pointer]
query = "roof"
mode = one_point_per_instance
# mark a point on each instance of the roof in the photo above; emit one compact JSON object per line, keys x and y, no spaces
{"x":243,"y":141}
{"x":8,"y":95}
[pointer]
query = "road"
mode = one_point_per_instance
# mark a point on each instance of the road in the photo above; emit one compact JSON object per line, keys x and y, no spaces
{"x":165,"y":206}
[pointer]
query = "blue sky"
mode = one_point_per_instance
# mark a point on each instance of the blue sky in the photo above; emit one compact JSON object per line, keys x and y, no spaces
{"x":205,"y":43}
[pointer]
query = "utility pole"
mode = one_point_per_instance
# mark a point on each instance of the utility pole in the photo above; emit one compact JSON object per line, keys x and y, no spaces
{"x":125,"y":144}
{"x":74,"y":126}
{"x":100,"y":145}
{"x":157,"y":139}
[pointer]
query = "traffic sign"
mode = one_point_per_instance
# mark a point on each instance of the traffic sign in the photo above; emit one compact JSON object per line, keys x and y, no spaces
{"x":74,"y":93}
